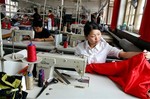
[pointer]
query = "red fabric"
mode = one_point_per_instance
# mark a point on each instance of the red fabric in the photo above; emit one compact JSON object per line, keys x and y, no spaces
{"x":2,"y":1}
{"x":115,"y":14}
{"x":75,"y":23}
{"x":25,"y":23}
{"x":133,"y":75}
{"x":145,"y":24}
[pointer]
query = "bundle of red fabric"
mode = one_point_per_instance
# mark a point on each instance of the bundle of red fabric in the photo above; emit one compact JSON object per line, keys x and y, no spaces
{"x":133,"y":75}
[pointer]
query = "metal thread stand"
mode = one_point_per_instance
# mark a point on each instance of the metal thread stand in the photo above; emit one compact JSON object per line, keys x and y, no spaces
{"x":1,"y":45}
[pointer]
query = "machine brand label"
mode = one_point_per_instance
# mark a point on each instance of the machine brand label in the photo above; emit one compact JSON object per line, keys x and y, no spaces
{"x":44,"y":62}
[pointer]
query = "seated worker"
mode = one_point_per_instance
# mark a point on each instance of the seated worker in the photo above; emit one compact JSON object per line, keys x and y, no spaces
{"x":96,"y":48}
{"x":25,"y":20}
{"x":132,"y":73}
{"x":41,"y":34}
{"x":16,"y":18}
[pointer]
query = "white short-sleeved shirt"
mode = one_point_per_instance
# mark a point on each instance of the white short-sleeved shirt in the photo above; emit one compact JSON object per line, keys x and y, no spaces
{"x":99,"y":53}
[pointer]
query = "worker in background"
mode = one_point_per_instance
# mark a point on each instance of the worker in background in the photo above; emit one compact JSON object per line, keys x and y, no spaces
{"x":84,"y":19}
{"x":36,"y":16}
{"x":2,"y":16}
{"x":131,"y":74}
{"x":25,"y":20}
{"x":100,"y":22}
{"x":3,"y":24}
{"x":41,"y":34}
{"x":51,"y":16}
{"x":16,"y":18}
{"x":93,"y":17}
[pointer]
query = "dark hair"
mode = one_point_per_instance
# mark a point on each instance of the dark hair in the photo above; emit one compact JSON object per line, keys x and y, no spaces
{"x":93,"y":17}
{"x":50,"y":11}
{"x":37,"y":23}
{"x":36,"y":10}
{"x":25,"y":15}
{"x":89,"y":26}
{"x":18,"y":10}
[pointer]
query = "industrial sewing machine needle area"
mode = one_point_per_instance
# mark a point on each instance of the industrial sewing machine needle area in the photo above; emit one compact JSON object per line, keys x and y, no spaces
{"x":68,"y":69}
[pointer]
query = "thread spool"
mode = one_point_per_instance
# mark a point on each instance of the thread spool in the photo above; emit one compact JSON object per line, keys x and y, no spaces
{"x":65,"y":44}
{"x":29,"y":81}
{"x":31,"y":53}
{"x":65,"y":29}
{"x":41,"y":78}
{"x":56,"y":40}
{"x":73,"y":43}
{"x":43,"y":75}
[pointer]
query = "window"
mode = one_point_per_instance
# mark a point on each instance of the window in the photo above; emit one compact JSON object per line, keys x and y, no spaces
{"x":11,"y":6}
{"x":133,"y":16}
{"x":139,"y":14}
{"x":130,"y":13}
{"x":109,"y":11}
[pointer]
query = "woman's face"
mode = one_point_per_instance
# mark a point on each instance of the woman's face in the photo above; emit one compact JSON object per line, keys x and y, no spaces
{"x":93,"y":38}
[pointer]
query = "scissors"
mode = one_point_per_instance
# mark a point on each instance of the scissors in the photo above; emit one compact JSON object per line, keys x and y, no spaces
{"x":53,"y":81}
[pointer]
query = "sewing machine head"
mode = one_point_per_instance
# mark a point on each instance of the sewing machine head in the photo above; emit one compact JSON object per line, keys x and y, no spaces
{"x":75,"y":39}
{"x":18,"y":34}
{"x":78,"y":28}
{"x":50,"y":60}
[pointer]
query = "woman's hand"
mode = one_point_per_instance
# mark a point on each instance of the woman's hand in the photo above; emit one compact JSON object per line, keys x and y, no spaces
{"x":147,"y":54}
{"x":38,"y":39}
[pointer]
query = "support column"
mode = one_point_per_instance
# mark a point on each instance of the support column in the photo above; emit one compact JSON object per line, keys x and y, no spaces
{"x":145,"y":24}
{"x":115,"y":14}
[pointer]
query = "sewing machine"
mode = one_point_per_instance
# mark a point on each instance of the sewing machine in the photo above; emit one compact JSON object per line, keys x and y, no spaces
{"x":78,"y":28}
{"x":18,"y":34}
{"x":51,"y":60}
{"x":75,"y":39}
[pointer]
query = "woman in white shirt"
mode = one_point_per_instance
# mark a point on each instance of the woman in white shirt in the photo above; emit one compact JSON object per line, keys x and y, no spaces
{"x":96,"y":48}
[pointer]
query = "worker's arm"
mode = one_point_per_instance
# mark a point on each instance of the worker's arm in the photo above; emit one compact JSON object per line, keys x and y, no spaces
{"x":123,"y":54}
{"x":50,"y":38}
